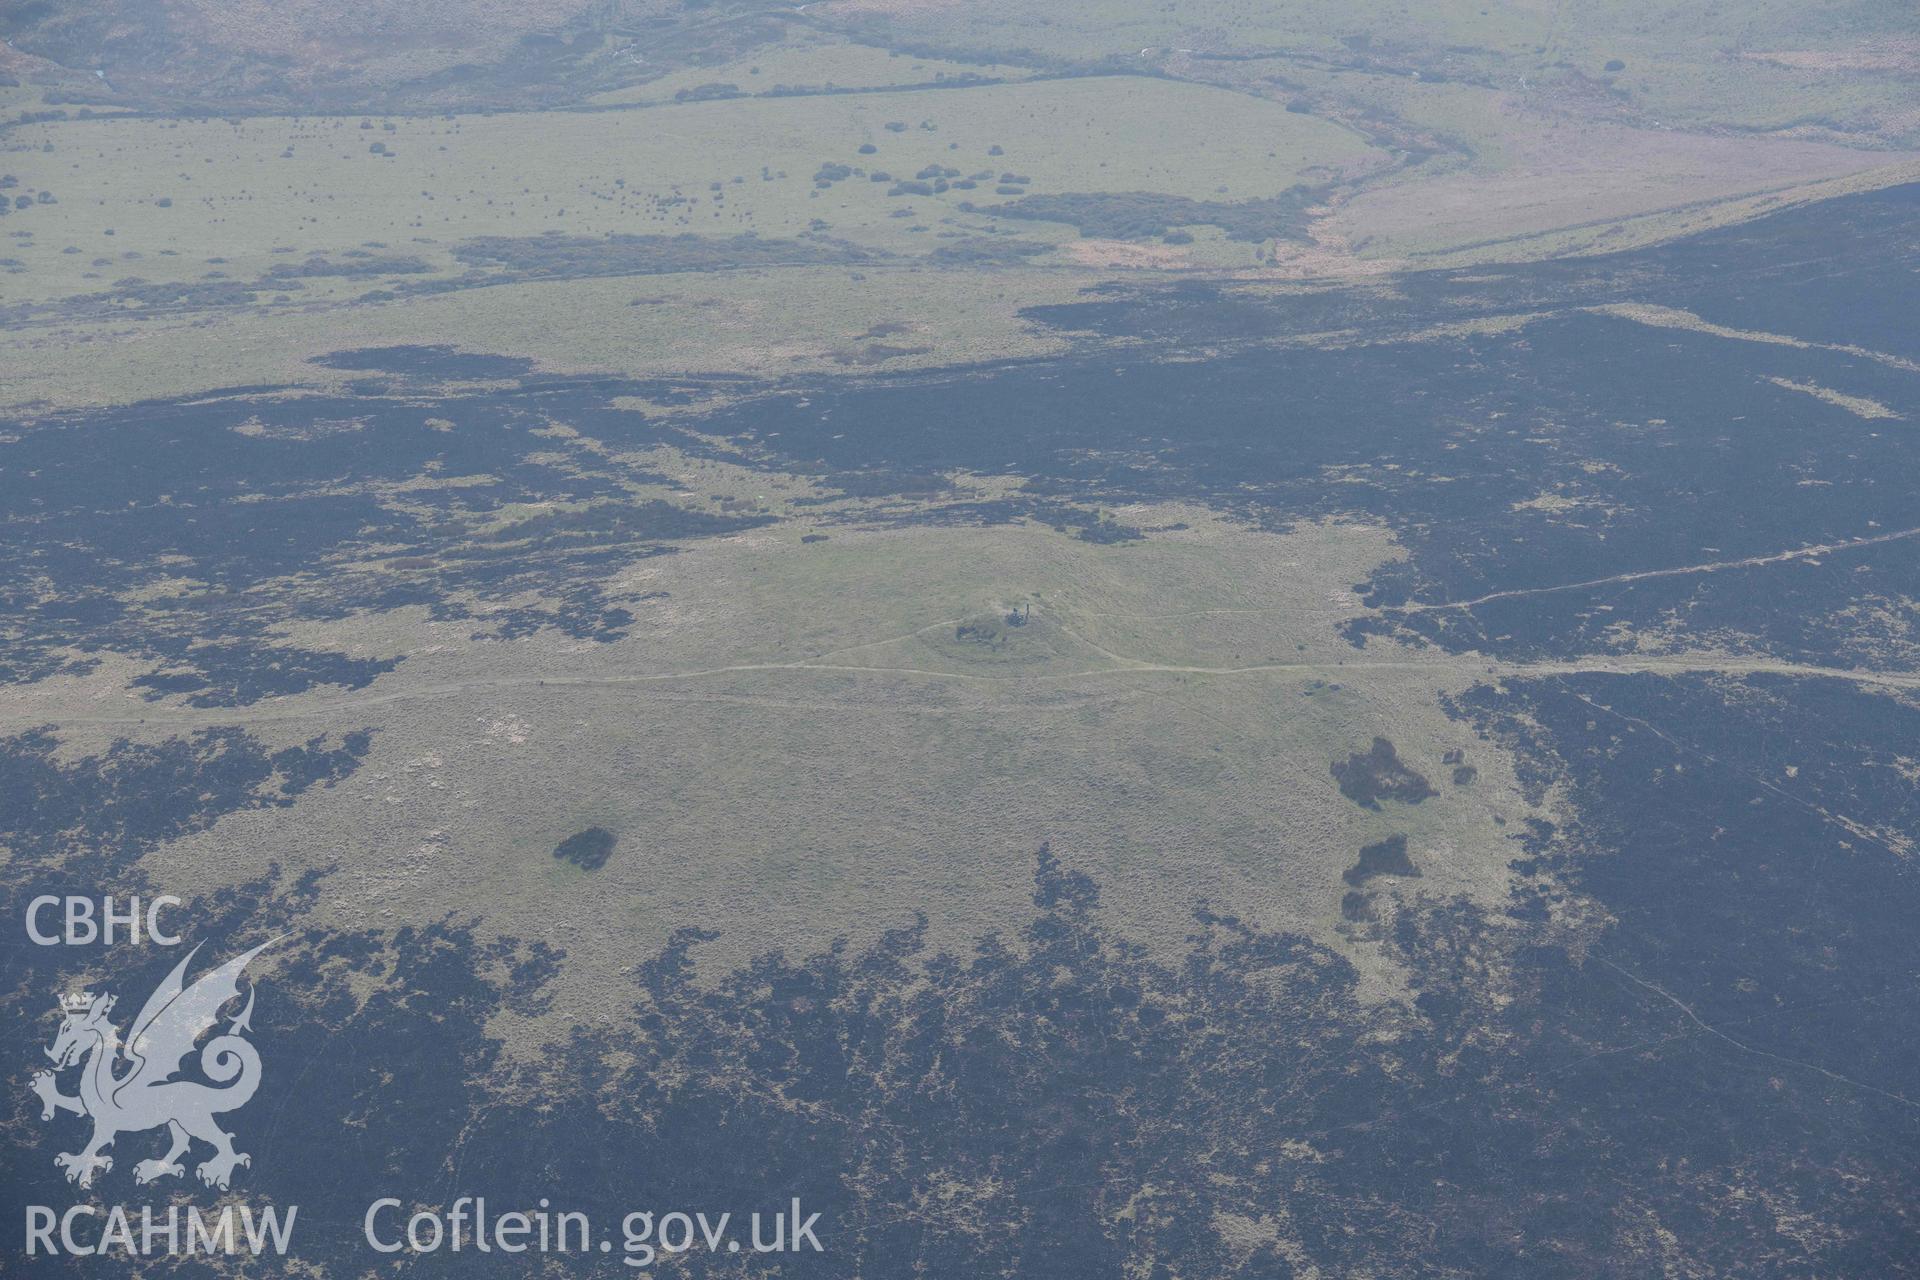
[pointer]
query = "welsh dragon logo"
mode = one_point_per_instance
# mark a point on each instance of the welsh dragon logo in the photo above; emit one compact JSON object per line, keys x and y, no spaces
{"x":128,"y":1086}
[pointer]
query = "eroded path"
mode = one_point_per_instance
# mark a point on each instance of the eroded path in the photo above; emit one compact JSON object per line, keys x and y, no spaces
{"x":1463,"y":670}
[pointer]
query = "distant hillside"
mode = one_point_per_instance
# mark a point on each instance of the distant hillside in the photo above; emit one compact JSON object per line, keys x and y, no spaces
{"x":320,"y":54}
